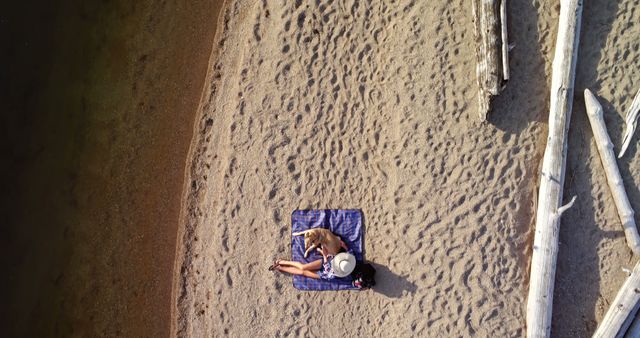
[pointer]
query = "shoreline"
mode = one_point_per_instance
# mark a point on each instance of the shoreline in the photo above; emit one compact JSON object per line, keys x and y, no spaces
{"x":199,"y":113}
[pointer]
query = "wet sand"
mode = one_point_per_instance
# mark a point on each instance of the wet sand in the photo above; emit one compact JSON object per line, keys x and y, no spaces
{"x":98,"y":111}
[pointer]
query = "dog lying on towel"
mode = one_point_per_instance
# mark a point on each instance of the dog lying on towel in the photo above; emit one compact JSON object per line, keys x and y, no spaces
{"x":320,"y":237}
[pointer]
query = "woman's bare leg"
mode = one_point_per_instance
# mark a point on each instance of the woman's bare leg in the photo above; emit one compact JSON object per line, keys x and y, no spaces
{"x":295,"y":271}
{"x":313,"y":266}
{"x":283,"y":262}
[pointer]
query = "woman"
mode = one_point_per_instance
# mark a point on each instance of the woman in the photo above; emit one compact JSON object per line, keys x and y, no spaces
{"x":327,"y":268}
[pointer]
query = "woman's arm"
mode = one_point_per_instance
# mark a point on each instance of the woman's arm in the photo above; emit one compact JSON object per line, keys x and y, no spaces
{"x":324,"y":255}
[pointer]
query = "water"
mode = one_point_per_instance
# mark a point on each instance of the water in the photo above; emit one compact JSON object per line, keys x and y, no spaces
{"x":98,"y":105}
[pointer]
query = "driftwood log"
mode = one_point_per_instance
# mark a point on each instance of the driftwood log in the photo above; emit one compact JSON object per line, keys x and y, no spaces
{"x":545,"y":244}
{"x":504,"y":40}
{"x":605,"y":149}
{"x":623,"y":306}
{"x":630,"y":122}
{"x":492,"y":50}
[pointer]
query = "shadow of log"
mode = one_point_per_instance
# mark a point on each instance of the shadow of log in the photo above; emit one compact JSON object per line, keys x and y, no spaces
{"x":520,"y":102}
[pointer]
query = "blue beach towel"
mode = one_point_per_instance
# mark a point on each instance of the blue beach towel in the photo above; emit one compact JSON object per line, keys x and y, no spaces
{"x":347,"y":224}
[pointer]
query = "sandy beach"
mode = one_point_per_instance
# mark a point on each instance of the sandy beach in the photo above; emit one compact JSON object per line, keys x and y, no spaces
{"x":154,"y":153}
{"x":371,"y":105}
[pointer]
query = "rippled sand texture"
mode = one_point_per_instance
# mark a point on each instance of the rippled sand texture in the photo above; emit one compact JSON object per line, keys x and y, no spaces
{"x":371,"y":105}
{"x":98,"y":103}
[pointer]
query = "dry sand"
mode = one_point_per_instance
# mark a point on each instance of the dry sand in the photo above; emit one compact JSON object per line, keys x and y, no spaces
{"x":371,"y":105}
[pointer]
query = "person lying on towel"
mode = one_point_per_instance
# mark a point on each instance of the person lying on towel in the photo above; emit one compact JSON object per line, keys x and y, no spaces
{"x":332,"y":265}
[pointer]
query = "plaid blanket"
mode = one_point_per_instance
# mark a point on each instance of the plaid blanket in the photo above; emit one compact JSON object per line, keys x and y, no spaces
{"x":345,"y":223}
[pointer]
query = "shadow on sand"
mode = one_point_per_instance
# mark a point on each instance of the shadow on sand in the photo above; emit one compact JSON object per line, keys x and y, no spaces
{"x":520,"y":102}
{"x":391,"y":284}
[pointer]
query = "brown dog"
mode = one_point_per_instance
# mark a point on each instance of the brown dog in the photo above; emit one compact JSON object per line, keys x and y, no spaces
{"x":316,"y":237}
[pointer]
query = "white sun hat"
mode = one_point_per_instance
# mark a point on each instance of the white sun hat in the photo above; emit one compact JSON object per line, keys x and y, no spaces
{"x":343,"y":264}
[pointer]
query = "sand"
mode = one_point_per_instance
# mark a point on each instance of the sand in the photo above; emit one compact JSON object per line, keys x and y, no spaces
{"x":98,"y":107}
{"x":135,"y":203}
{"x":372,"y":105}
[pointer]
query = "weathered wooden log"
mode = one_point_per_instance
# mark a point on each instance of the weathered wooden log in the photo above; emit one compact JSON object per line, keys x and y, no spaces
{"x":634,"y":329}
{"x":623,"y":305}
{"x":490,"y":51}
{"x":608,"y":158}
{"x":504,"y":40}
{"x":630,"y":122}
{"x":545,"y":244}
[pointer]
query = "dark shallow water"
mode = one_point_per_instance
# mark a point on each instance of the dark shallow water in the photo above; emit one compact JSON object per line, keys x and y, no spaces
{"x":98,"y":100}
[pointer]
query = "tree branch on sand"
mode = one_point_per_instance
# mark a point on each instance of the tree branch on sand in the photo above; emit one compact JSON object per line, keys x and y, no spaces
{"x":605,"y":149}
{"x":630,"y":123}
{"x":620,"y":315}
{"x":545,"y":245}
{"x":492,"y":50}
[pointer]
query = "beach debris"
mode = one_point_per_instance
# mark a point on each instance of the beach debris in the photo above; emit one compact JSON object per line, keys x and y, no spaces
{"x":630,"y":123}
{"x":549,"y":212}
{"x":492,"y":50}
{"x":622,"y":312}
{"x":608,"y":158}
{"x":504,"y":40}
